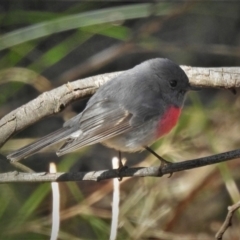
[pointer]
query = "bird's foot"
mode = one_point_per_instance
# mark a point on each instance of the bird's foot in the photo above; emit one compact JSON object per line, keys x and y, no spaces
{"x":163,"y":164}
{"x":119,"y":170}
{"x":161,"y":159}
{"x":121,"y":166}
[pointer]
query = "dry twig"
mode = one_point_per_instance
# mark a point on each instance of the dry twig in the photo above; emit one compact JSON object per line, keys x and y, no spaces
{"x":113,"y":173}
{"x":228,"y":221}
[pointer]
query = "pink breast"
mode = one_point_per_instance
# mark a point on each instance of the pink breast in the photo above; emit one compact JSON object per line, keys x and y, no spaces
{"x":168,"y":121}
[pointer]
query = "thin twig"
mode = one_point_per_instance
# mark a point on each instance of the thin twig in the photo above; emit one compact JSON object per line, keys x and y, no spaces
{"x":109,"y":174}
{"x":228,"y":221}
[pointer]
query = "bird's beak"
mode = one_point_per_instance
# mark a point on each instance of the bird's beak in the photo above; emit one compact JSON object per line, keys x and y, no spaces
{"x":194,"y":88}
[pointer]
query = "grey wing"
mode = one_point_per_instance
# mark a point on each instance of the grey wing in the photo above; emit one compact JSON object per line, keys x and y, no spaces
{"x":99,"y":122}
{"x":43,"y":142}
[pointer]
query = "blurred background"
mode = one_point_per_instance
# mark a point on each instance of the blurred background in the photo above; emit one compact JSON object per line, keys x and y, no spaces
{"x":68,"y":40}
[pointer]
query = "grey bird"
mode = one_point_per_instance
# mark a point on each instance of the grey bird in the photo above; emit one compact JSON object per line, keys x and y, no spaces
{"x":128,"y":113}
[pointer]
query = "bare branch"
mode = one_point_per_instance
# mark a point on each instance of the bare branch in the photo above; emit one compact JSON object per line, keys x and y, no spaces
{"x":56,"y":100}
{"x":228,"y":221}
{"x":113,"y":173}
{"x":219,"y":77}
{"x":50,"y":103}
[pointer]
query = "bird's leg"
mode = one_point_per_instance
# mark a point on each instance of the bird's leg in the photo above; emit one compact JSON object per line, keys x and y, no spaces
{"x":162,"y":160}
{"x":120,"y":164}
{"x":121,"y":167}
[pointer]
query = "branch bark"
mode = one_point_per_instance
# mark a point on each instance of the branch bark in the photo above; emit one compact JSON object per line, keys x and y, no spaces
{"x":113,"y":173}
{"x":56,"y":100}
{"x":228,"y":221}
{"x":49,"y":103}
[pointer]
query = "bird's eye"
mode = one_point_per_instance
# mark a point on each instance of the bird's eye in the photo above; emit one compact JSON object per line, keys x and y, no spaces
{"x":173,"y":83}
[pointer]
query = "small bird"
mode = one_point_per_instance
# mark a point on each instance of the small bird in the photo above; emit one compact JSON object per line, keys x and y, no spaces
{"x":128,"y":113}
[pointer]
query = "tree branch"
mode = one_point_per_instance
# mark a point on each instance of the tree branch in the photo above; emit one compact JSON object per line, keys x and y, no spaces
{"x":56,"y":100}
{"x":49,"y":103}
{"x":219,"y":77}
{"x":228,"y":221}
{"x":113,"y":173}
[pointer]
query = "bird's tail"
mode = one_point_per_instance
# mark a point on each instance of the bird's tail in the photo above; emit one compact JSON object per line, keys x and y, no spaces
{"x":43,"y":142}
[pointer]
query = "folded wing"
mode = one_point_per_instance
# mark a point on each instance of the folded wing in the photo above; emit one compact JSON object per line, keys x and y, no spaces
{"x":99,"y":122}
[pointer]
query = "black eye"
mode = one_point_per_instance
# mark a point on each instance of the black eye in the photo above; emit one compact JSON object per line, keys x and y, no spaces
{"x":173,"y":83}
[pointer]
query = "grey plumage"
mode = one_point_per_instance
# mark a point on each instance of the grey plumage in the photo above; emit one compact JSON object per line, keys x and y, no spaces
{"x":123,"y":113}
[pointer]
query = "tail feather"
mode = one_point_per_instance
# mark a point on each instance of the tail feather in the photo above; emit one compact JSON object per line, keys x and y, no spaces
{"x":43,"y":142}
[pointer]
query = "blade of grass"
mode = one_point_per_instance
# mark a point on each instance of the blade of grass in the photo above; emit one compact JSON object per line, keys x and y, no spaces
{"x":32,"y":203}
{"x":14,"y":17}
{"x":78,"y":20}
